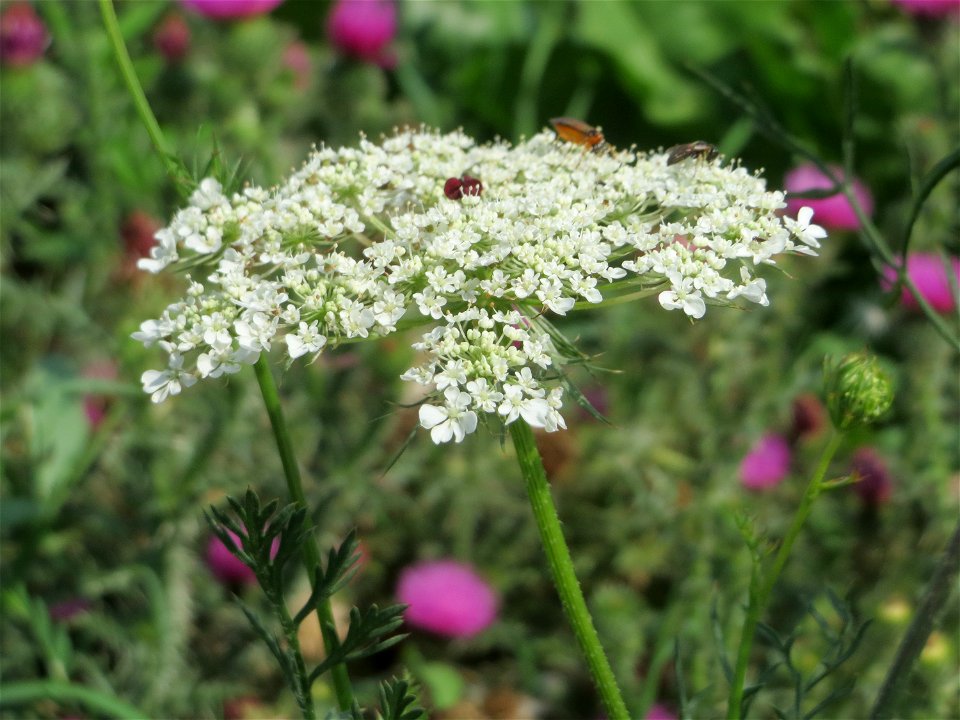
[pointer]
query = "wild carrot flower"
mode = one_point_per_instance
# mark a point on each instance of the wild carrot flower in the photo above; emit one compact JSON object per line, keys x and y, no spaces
{"x":23,"y":36}
{"x":834,"y":212}
{"x":447,"y":597}
{"x":929,"y":273}
{"x":767,"y":463}
{"x":231,"y":9}
{"x":360,"y":241}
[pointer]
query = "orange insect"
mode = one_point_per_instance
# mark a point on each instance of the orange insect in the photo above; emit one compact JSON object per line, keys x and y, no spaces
{"x":578,"y":132}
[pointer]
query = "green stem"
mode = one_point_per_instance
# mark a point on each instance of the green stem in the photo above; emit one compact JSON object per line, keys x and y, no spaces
{"x":136,"y":91}
{"x":293,"y":640}
{"x":561,"y":568}
{"x":97,"y":702}
{"x":759,"y":594}
{"x":942,"y":585}
{"x":310,"y":549}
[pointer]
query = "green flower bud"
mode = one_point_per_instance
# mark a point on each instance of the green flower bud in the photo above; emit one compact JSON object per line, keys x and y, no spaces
{"x":858,"y":391}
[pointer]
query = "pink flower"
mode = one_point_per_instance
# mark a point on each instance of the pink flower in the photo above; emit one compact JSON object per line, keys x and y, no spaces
{"x":296,"y":58}
{"x":809,"y":417}
{"x":929,"y":274}
{"x":230,"y":9}
{"x":69,"y":609}
{"x":95,"y":405}
{"x":23,"y":36}
{"x":875,"y":484}
{"x":931,"y":8}
{"x":226,"y":566}
{"x":833,"y":212}
{"x":447,"y":597}
{"x":659,"y":712}
{"x":172,"y":38}
{"x":364,"y":28}
{"x":767,"y":463}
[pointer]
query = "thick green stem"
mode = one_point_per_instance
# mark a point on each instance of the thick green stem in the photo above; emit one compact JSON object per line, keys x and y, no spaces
{"x":136,"y":90}
{"x":561,"y":568}
{"x":760,"y":590}
{"x":310,"y":549}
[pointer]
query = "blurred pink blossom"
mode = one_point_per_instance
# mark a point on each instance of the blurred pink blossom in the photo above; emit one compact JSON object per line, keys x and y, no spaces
{"x":931,"y":8}
{"x":809,"y":417}
{"x":23,"y":36}
{"x":447,"y":597}
{"x":659,"y":712}
{"x":171,"y":38}
{"x":929,"y":273}
{"x":833,"y":212}
{"x":875,"y":484}
{"x":226,"y":566}
{"x":230,"y":9}
{"x":767,"y":463}
{"x":363,"y":29}
{"x":67,"y":610}
{"x":95,"y":405}
{"x":296,"y":58}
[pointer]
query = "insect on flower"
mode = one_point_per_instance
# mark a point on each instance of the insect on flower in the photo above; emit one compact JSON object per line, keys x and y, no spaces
{"x":695,"y":149}
{"x":456,"y":188}
{"x":578,"y":132}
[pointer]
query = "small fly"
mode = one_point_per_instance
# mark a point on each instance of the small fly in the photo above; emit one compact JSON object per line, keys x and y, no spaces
{"x":695,"y":149}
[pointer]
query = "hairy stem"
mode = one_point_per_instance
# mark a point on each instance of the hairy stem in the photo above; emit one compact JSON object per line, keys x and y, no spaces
{"x":310,"y":550}
{"x":942,"y":584}
{"x":561,"y":569}
{"x":761,"y":586}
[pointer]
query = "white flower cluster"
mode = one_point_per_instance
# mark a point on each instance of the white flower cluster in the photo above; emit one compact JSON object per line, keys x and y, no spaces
{"x":360,"y":238}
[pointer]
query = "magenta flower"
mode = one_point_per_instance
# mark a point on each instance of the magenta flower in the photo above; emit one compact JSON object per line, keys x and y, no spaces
{"x":172,"y":38}
{"x":446,"y":597}
{"x":363,"y":29}
{"x":930,"y":8}
{"x":230,"y":9}
{"x":875,"y":484}
{"x":226,"y":566}
{"x":833,"y":212}
{"x":23,"y":36}
{"x":929,"y":273}
{"x":767,"y":463}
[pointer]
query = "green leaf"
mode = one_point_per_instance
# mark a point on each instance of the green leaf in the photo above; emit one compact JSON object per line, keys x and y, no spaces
{"x":397,"y":698}
{"x":364,"y":636}
{"x":617,"y":30}
{"x":444,"y":683}
{"x":58,"y":432}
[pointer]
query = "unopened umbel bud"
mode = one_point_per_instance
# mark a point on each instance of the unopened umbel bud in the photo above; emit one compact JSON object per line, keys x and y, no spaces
{"x":858,"y":391}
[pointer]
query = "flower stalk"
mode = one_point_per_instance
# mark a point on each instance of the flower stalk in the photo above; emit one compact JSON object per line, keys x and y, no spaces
{"x":762,"y":586}
{"x":310,"y":550}
{"x":140,"y":102}
{"x":561,"y":569}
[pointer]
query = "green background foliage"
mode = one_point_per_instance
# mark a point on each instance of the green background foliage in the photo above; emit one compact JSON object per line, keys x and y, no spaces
{"x":111,"y":513}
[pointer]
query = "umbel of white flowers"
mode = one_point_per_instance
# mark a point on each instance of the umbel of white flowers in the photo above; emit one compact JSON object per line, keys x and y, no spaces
{"x":484,"y":242}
